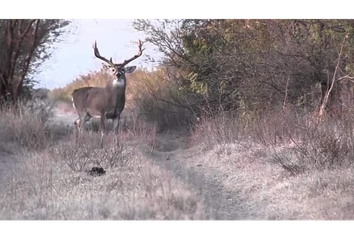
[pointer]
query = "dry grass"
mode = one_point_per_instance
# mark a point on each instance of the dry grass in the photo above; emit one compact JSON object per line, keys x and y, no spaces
{"x":157,"y":99}
{"x":217,"y":130}
{"x":265,"y":190}
{"x":53,"y":180}
{"x":132,"y":129}
{"x":43,"y":186}
{"x":25,"y":125}
{"x":296,"y":144}
{"x":272,"y":168}
{"x":281,"y":166}
{"x":87,"y":151}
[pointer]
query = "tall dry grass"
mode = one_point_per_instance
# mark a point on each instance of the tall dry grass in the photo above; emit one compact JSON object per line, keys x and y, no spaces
{"x":156,"y":99}
{"x":94,"y":79}
{"x":43,"y":186}
{"x":26,"y":125}
{"x":298,"y":143}
{"x":283,"y":165}
{"x":51,"y":177}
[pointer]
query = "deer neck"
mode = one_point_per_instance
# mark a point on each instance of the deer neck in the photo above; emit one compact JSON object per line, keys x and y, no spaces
{"x":117,"y":91}
{"x":119,"y":83}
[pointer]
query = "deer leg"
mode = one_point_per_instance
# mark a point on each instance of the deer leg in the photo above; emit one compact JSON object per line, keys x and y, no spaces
{"x":116,"y":124}
{"x":103,"y":125}
{"x":80,"y":122}
{"x":103,"y":130}
{"x":86,"y":118}
{"x":77,"y":129}
{"x":77,"y":122}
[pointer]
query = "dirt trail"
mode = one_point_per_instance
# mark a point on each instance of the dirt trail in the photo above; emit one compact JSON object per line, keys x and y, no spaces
{"x":172,"y":153}
{"x":241,"y":184}
{"x":64,"y":114}
{"x":7,"y":162}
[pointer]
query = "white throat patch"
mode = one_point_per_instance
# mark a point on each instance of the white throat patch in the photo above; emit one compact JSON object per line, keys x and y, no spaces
{"x":117,"y":83}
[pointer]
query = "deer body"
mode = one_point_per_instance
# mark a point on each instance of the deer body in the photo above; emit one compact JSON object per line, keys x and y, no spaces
{"x":104,"y":103}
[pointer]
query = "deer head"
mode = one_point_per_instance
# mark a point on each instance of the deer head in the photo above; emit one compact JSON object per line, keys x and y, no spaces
{"x":119,"y":69}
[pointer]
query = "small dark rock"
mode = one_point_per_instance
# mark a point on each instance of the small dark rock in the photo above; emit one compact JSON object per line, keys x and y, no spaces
{"x":97,"y":171}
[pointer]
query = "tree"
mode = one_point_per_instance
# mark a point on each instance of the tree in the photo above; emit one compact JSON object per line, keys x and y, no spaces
{"x":24,"y":46}
{"x":257,"y":65}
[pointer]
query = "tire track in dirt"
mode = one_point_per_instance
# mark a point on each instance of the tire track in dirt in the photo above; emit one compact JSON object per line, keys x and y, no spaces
{"x":7,"y":164}
{"x":171,"y":153}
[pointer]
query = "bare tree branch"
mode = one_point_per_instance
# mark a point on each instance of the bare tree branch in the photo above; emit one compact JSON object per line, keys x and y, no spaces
{"x":325,"y":100}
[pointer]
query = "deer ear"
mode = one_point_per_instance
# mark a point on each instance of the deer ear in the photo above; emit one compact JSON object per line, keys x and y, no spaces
{"x":105,"y":66}
{"x":129,"y":69}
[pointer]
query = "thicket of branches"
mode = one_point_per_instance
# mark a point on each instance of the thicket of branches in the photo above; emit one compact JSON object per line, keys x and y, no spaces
{"x":24,"y":45}
{"x":253,"y":66}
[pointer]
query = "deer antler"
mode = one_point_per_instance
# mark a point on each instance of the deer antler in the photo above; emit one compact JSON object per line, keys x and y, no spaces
{"x":140,"y":52}
{"x":98,"y":55}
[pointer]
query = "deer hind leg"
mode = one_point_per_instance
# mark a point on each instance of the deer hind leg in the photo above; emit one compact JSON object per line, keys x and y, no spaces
{"x":77,"y":129}
{"x":77,"y":122}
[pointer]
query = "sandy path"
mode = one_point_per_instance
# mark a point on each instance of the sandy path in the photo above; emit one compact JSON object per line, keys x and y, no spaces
{"x":172,"y":154}
{"x":7,"y":162}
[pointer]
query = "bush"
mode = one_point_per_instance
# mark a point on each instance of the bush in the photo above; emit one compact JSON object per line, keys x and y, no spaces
{"x":156,"y":99}
{"x":296,"y":141}
{"x":88,"y":150}
{"x":26,"y":124}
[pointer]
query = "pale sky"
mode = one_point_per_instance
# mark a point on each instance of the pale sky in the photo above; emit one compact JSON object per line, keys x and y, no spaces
{"x":74,"y":55}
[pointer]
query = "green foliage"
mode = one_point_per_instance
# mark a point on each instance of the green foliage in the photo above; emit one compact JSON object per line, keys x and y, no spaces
{"x":255,"y":65}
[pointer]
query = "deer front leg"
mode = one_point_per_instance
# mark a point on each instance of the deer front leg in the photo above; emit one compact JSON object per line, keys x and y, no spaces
{"x":103,"y":130}
{"x":103,"y":125}
{"x":116,"y":124}
{"x":80,"y":122}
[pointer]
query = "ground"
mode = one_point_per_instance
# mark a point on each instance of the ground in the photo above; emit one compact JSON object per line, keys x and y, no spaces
{"x":177,"y":179}
{"x":173,"y":153}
